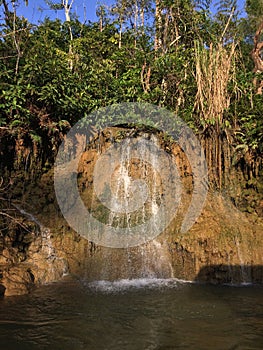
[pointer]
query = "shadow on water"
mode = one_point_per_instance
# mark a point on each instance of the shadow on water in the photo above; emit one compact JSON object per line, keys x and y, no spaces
{"x":231,"y":274}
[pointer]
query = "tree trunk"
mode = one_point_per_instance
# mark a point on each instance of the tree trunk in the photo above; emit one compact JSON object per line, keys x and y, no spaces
{"x":67,"y":8}
{"x":120,"y":34}
{"x":10,"y":20}
{"x":258,"y":62}
{"x":158,"y":26}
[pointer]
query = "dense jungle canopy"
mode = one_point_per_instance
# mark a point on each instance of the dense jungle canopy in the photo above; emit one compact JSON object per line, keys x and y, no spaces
{"x":203,"y":64}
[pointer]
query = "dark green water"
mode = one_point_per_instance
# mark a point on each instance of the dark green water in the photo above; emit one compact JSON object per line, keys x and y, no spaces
{"x":140,"y":314}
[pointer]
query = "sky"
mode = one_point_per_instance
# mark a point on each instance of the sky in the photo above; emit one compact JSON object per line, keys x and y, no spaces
{"x":37,"y":10}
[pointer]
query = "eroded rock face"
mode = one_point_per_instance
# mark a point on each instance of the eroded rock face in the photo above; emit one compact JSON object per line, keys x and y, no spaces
{"x":28,"y":257}
{"x":17,"y":280}
{"x":223,"y":246}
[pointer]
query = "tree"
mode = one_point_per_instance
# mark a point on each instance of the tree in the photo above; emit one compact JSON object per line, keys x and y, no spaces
{"x":65,"y":5}
{"x":14,"y":27}
{"x":101,"y":13}
{"x":254,"y":10}
{"x":131,"y":15}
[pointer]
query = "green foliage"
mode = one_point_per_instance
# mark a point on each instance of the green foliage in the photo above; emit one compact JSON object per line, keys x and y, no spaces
{"x":54,"y":5}
{"x":250,"y":131}
{"x":61,"y":79}
{"x":202,"y":5}
{"x":249,"y":25}
{"x":226,"y":6}
{"x":254,"y":8}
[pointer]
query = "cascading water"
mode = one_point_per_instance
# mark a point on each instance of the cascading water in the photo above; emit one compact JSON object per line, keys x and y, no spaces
{"x":151,"y":259}
{"x":245,"y":273}
{"x":56,"y":266}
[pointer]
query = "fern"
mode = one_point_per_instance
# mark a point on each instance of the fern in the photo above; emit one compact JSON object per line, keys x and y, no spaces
{"x":225,"y":7}
{"x":202,"y":5}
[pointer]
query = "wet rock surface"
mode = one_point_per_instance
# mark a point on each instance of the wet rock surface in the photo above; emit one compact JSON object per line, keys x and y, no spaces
{"x":224,"y":245}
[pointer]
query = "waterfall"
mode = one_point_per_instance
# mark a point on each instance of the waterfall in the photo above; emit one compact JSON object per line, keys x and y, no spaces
{"x":30,"y":216}
{"x":156,"y":260}
{"x":245,"y":274}
{"x":149,"y":261}
{"x":133,"y":175}
{"x":52,"y":261}
{"x":47,"y":245}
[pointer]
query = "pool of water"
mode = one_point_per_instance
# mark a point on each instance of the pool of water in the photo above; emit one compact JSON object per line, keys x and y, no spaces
{"x":133,"y":314}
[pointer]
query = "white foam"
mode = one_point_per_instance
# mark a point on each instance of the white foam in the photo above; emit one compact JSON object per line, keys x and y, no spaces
{"x":131,"y":284}
{"x":241,"y":284}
